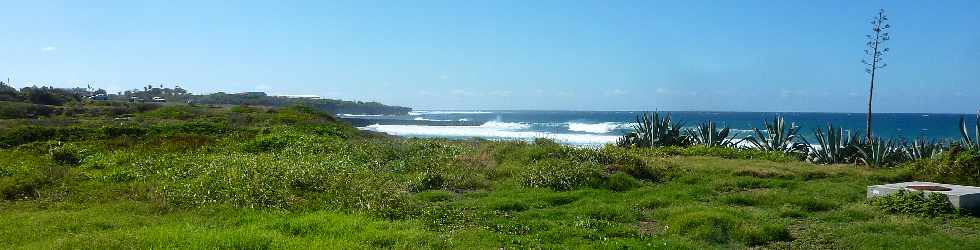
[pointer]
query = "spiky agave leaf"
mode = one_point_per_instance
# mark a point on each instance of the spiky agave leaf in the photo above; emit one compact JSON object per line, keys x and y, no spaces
{"x":878,"y":152}
{"x":707,"y":134}
{"x":971,"y":143}
{"x":834,"y":147}
{"x":653,"y":130}
{"x":777,"y":137}
{"x":922,"y":148}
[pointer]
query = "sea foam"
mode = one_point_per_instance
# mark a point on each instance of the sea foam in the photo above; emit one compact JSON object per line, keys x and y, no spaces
{"x":492,"y":130}
{"x":595,"y":128}
{"x":433,"y":112}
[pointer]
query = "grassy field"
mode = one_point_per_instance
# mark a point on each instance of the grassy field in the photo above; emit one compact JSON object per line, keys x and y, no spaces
{"x":258,"y":178}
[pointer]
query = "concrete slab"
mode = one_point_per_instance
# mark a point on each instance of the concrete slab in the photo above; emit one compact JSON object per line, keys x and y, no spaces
{"x":963,"y":197}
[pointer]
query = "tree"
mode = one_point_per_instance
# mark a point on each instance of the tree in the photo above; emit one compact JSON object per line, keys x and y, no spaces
{"x":875,"y":51}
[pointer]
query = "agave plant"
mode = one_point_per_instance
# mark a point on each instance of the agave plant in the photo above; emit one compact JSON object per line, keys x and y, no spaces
{"x":922,"y":148}
{"x":777,"y":137}
{"x":878,"y":152}
{"x":707,"y":134}
{"x":970,"y":143}
{"x":833,"y":147}
{"x":652,"y":130}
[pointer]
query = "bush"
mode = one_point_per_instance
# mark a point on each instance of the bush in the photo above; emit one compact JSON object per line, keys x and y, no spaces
{"x":179,"y":112}
{"x":12,"y":188}
{"x":620,"y":182}
{"x":66,"y":154}
{"x":626,"y":161}
{"x":277,"y":141}
{"x":956,"y":166}
{"x":914,"y":203}
{"x":723,"y":226}
{"x":708,"y":225}
{"x":27,"y":184}
{"x":299,"y":114}
{"x":15,"y":110}
{"x":427,"y":181}
{"x":560,"y":174}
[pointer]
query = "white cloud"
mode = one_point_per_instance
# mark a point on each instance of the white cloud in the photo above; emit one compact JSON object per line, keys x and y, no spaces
{"x":49,"y":49}
{"x":499,"y":93}
{"x":263,"y":87}
{"x":424,"y":93}
{"x":662,"y":91}
{"x":616,"y":92}
{"x":460,"y":92}
{"x":565,"y":93}
{"x":788,"y":93}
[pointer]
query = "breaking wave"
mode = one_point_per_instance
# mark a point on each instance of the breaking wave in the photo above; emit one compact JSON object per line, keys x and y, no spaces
{"x":595,"y":128}
{"x":429,"y":112}
{"x":492,"y":130}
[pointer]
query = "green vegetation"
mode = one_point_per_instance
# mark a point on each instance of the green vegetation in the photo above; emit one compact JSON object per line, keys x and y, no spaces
{"x":972,"y":143}
{"x":777,"y":137}
{"x":709,"y":135}
{"x":782,"y":143}
{"x":329,"y":105}
{"x":956,"y":166}
{"x":914,"y":203}
{"x":293,"y":177}
{"x":834,"y":147}
{"x":31,"y":102}
{"x":654,"y":130}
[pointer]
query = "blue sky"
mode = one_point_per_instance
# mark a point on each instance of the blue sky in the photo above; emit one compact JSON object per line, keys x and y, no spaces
{"x":569,"y":55}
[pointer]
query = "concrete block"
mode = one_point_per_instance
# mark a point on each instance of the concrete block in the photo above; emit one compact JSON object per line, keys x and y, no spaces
{"x":963,"y":197}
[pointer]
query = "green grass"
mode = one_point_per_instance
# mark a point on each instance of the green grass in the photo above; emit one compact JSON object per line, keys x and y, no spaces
{"x":298,"y":179}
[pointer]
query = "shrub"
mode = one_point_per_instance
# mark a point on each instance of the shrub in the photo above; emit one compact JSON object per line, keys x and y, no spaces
{"x":298,"y":114}
{"x":434,"y":196}
{"x":956,"y":166}
{"x":66,"y":153}
{"x":627,"y":161}
{"x":560,"y":174}
{"x":756,"y":234}
{"x":114,"y":131}
{"x":427,"y":181}
{"x":197,"y":128}
{"x":708,"y":225}
{"x":23,"y":188}
{"x":15,"y":110}
{"x":275,"y":141}
{"x":179,"y":112}
{"x":620,"y":182}
{"x":914,"y":203}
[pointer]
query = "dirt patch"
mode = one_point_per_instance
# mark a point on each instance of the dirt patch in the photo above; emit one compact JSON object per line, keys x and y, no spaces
{"x":648,"y":227}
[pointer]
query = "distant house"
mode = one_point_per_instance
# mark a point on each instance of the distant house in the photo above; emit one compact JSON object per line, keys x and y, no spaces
{"x":99,"y":97}
{"x":136,"y":99}
{"x":253,"y":94}
{"x":313,"y":97}
{"x":159,"y":99}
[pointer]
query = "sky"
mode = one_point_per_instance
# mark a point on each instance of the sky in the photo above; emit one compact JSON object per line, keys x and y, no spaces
{"x":555,"y":55}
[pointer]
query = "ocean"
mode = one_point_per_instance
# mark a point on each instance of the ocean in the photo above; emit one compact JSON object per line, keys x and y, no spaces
{"x":595,"y":128}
